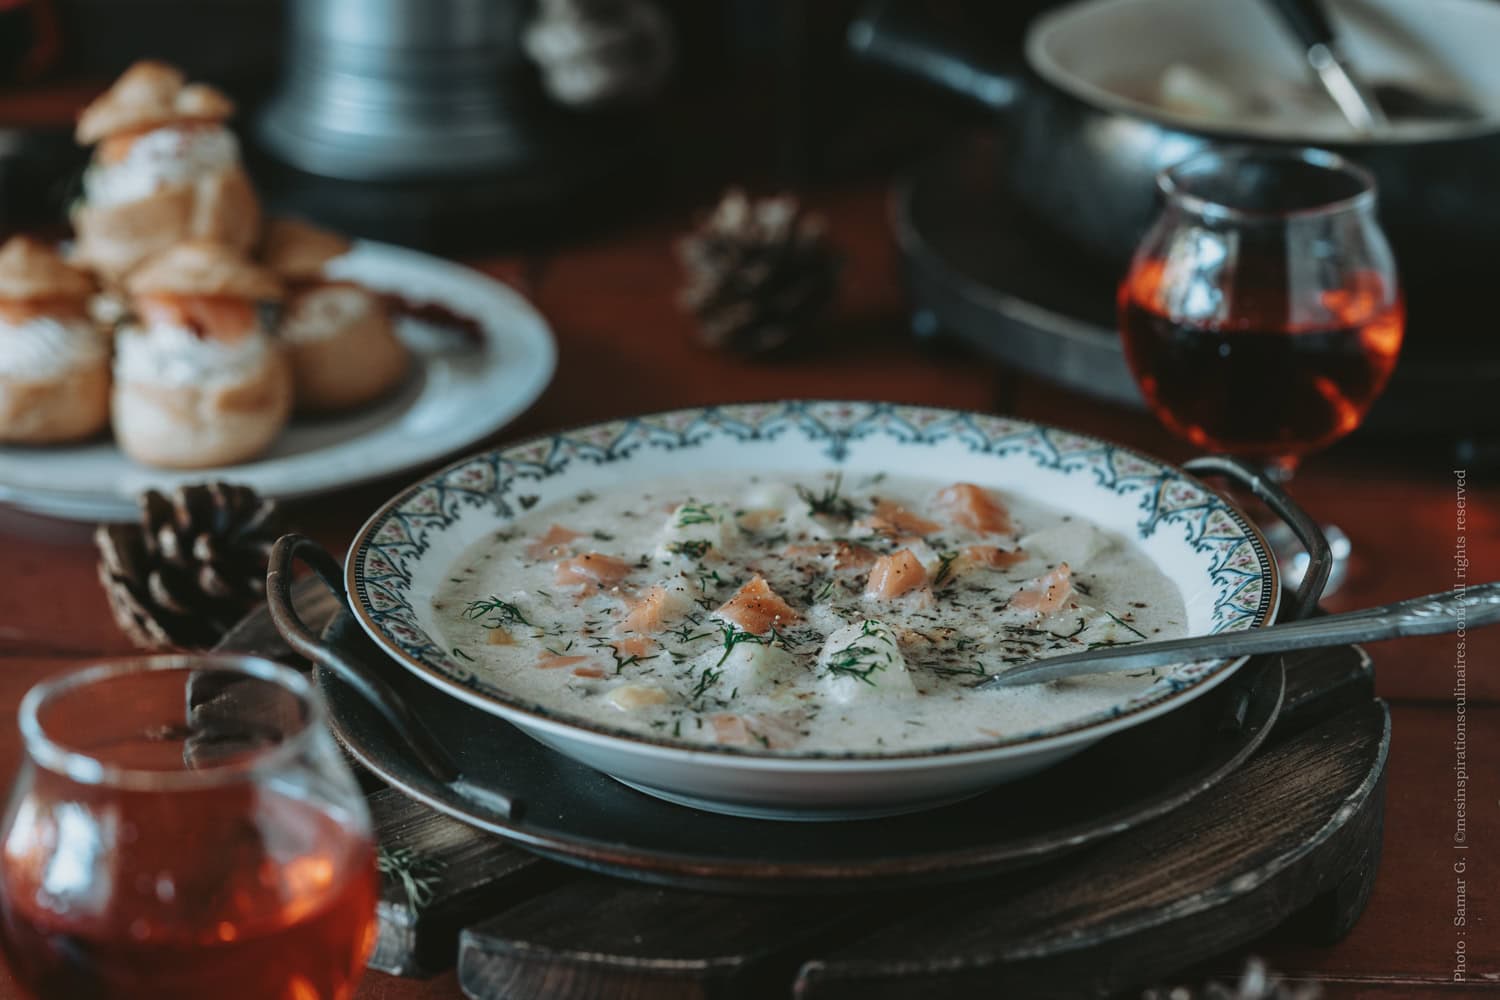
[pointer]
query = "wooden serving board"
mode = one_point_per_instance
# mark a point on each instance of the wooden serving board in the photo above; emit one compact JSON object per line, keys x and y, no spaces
{"x":1291,"y":839}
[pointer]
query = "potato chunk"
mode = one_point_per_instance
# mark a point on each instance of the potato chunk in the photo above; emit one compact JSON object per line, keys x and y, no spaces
{"x":862,"y":661}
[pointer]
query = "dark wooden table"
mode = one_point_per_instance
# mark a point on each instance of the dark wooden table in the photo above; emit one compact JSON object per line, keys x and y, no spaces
{"x":625,"y":347}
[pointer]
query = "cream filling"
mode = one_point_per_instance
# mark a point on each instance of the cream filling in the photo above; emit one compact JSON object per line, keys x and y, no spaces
{"x":174,"y":356}
{"x":323,"y":312}
{"x":45,"y":348}
{"x":162,"y":158}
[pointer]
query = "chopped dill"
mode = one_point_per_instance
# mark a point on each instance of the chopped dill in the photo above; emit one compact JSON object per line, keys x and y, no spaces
{"x":603,"y":536}
{"x":690,"y":514}
{"x":847,"y":662}
{"x":732,"y":637}
{"x":945,"y":568}
{"x":1126,"y":625}
{"x":829,"y":502}
{"x":684,"y":633}
{"x":693,"y":549}
{"x":621,"y":662}
{"x":506,"y":613}
{"x":706,"y":680}
{"x":462,"y":655}
{"x":949,"y":670}
{"x":1082,"y":624}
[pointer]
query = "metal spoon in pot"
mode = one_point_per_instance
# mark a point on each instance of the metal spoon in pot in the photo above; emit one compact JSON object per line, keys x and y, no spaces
{"x":1368,"y":109}
{"x":1433,"y":614}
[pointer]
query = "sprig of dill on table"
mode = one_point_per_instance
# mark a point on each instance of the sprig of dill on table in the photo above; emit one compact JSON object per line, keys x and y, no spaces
{"x":418,"y":874}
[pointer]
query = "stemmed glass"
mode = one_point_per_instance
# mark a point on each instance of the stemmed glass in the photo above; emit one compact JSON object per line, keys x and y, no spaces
{"x":183,"y":827}
{"x":1261,"y":314}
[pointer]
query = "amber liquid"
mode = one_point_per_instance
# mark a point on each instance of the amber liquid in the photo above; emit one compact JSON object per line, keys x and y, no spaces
{"x":240,"y":895}
{"x":1257,"y":385}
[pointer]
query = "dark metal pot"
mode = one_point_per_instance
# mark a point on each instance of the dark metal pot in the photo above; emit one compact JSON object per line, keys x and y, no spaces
{"x":1083,"y":161}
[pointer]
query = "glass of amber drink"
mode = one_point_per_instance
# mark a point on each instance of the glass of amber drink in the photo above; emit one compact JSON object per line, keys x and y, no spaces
{"x":183,"y":826}
{"x":1261,"y":315}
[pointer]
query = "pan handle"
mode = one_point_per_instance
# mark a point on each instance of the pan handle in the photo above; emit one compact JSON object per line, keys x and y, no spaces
{"x":425,"y":747}
{"x":1320,"y":557}
{"x":900,"y":36}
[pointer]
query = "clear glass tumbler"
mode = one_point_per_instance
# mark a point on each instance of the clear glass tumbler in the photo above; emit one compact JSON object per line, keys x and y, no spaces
{"x":184,"y":827}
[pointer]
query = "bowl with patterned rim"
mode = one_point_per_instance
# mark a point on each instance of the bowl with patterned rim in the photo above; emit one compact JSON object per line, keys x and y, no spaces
{"x":1207,"y":548}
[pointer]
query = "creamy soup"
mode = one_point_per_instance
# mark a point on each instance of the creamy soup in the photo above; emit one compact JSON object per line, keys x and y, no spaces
{"x":821,"y":614}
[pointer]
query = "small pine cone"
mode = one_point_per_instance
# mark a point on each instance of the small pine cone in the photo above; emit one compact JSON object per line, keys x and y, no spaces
{"x":192,"y":567}
{"x":758,"y":273}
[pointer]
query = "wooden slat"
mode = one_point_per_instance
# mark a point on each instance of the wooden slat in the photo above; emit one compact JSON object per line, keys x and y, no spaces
{"x":473,"y":875}
{"x":598,"y":937}
{"x":1321,"y":683}
{"x":1255,"y":850}
{"x":1192,"y":885}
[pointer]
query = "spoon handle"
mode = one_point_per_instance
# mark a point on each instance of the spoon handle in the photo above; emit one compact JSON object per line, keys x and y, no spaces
{"x":1309,"y":22}
{"x":1431,"y":614}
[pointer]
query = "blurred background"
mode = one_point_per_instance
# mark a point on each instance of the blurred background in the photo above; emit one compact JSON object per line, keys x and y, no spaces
{"x":755,"y":91}
{"x":473,"y":127}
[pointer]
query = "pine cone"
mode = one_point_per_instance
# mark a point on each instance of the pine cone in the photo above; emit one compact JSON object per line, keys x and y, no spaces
{"x":758,"y":273}
{"x":191,"y":568}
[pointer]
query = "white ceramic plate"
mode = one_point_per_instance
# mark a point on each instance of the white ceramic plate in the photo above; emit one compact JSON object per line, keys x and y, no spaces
{"x":1216,"y":558}
{"x":452,"y":400}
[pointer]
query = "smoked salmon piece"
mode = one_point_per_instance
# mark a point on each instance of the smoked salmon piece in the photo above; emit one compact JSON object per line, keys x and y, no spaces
{"x":850,"y":556}
{"x":594,"y":672}
{"x":657,"y":606}
{"x":638,"y":645}
{"x":552,"y":545}
{"x":649,"y":613}
{"x":991,"y":557}
{"x":592,"y":569}
{"x":771,"y":732}
{"x":552,"y":661}
{"x":807,"y":549}
{"x":977,"y":509}
{"x":1047,"y":593}
{"x":895,"y":520}
{"x":894,"y":575}
{"x":730,"y":730}
{"x":846,"y":555}
{"x":757,"y":608}
{"x":225,"y":317}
